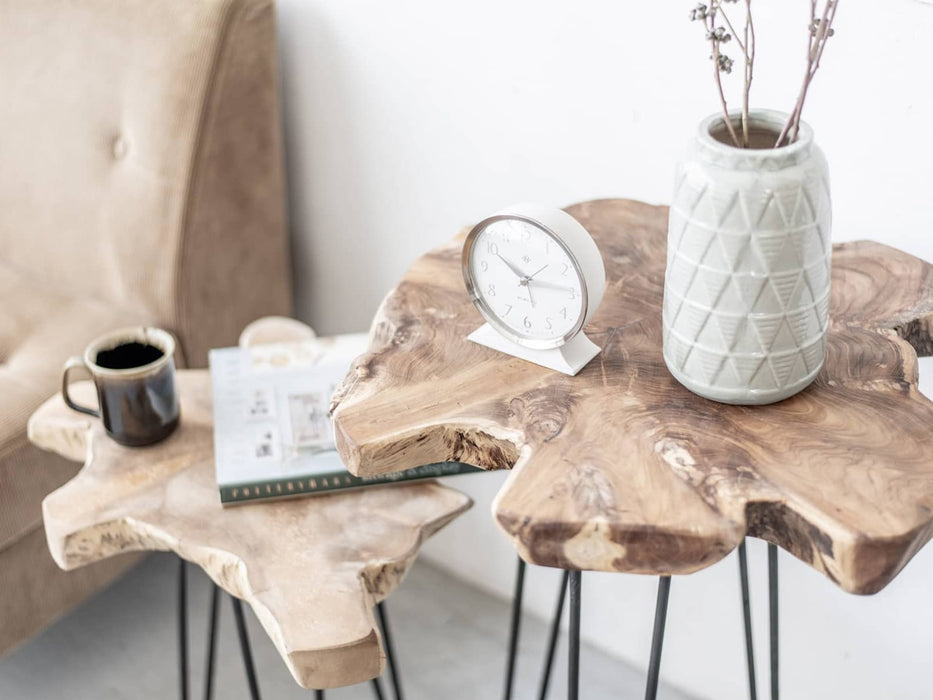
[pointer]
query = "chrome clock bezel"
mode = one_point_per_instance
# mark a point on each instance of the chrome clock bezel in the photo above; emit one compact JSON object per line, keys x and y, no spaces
{"x":491,"y":317}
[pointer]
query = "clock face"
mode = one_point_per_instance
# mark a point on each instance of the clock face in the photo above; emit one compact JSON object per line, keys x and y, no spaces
{"x":526,"y":283}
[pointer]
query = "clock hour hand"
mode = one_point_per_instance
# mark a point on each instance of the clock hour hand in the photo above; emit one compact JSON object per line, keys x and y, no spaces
{"x":518,"y":273}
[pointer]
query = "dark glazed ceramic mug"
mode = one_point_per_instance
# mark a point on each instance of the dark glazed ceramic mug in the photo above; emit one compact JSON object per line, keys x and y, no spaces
{"x":134,"y":373}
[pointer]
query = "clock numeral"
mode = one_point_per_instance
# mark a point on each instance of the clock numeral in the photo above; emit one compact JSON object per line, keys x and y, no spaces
{"x":564,"y":269}
{"x":484,"y":266}
{"x":509,"y":308}
{"x":492,"y":248}
{"x":491,"y":291}
{"x":573,"y":293}
{"x":550,"y":326}
{"x":526,"y":322}
{"x":526,"y":235}
{"x":563,"y":312}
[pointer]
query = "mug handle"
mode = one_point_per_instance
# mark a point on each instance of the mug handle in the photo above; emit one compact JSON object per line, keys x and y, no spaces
{"x":71,"y":364}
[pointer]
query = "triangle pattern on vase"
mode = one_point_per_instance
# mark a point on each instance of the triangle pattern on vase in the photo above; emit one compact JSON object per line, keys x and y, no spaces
{"x":782,"y":365}
{"x":785,"y":285}
{"x":734,"y":250}
{"x":766,"y":327}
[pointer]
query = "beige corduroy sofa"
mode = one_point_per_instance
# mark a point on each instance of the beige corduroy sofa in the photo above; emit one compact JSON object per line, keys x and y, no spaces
{"x":141,"y":181}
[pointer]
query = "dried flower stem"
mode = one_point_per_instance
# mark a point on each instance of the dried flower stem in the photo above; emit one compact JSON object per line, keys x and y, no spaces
{"x":820,"y":31}
{"x":743,"y":48}
{"x":749,"y":67}
{"x":719,"y":35}
{"x":714,"y":43}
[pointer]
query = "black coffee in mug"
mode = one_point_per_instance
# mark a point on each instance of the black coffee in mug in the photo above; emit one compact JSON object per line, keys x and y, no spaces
{"x":128,"y":355}
{"x":134,"y":374}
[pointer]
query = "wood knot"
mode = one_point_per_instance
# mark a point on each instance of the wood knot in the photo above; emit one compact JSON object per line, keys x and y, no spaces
{"x":541,"y":413}
{"x":588,"y":488}
{"x":404,"y":333}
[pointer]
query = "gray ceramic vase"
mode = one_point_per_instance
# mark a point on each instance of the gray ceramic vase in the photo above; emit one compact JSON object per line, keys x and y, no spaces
{"x":746,"y":294}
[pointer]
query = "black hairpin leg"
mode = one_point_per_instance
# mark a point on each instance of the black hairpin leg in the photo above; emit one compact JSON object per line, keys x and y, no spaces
{"x":390,"y":650}
{"x":211,"y":642}
{"x":747,"y":615}
{"x":573,"y":659}
{"x":514,"y":629}
{"x":183,"y":628}
{"x":318,"y":695}
{"x":773,"y":605}
{"x":552,"y":638}
{"x":657,"y":639}
{"x":244,"y":647}
{"x":377,"y":689}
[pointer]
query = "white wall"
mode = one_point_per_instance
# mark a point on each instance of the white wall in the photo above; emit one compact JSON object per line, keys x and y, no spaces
{"x":411,"y":118}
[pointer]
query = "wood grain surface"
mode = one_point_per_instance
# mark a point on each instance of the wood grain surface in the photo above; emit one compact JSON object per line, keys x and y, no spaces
{"x":622,"y":469}
{"x":312,"y":568}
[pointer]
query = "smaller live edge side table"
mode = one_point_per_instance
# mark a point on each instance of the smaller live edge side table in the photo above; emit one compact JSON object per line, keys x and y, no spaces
{"x":312,"y":569}
{"x":622,"y":469}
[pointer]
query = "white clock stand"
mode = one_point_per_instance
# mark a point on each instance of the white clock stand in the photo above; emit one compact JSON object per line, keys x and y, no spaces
{"x":569,"y":358}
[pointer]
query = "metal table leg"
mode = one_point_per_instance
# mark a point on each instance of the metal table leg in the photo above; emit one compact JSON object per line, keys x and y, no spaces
{"x":514,"y":629}
{"x":183,"y":628}
{"x":245,"y":645}
{"x":244,"y":648}
{"x":657,"y":642}
{"x":552,"y":638}
{"x":390,"y":650}
{"x":747,"y":615}
{"x":657,"y":639}
{"x":573,"y":660}
{"x":773,"y":605}
{"x":211,"y":642}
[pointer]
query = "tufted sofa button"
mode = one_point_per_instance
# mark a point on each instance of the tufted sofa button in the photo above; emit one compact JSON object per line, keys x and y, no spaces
{"x":120,"y":147}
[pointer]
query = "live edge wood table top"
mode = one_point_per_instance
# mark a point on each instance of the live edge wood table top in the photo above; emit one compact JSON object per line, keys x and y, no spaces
{"x":622,"y":469}
{"x":311,"y":568}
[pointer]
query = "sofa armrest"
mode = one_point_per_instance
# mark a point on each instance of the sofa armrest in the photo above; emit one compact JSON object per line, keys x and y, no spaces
{"x":233,"y":262}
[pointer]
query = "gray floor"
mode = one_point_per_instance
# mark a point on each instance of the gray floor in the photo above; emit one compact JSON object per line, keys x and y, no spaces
{"x":450,"y":642}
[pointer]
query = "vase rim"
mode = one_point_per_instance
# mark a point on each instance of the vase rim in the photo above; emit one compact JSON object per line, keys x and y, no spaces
{"x":769,"y":118}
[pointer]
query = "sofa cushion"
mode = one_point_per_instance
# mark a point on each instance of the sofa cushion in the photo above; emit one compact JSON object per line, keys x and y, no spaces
{"x":101,"y":108}
{"x":40,"y":327}
{"x":142,"y":158}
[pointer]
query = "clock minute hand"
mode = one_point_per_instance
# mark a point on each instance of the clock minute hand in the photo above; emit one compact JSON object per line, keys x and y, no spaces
{"x":551,"y":285}
{"x":518,"y":273}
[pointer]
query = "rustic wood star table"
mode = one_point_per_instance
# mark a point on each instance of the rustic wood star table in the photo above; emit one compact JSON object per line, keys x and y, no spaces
{"x":622,"y":469}
{"x":313,"y":569}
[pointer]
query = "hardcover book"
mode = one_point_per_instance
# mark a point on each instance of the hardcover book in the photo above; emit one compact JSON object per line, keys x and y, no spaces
{"x":273,"y":437}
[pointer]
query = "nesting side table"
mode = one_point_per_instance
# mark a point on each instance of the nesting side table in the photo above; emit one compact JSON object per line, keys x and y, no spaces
{"x":622,"y":469}
{"x":313,"y":569}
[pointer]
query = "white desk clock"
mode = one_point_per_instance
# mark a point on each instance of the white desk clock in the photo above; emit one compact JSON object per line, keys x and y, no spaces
{"x":536,"y":276}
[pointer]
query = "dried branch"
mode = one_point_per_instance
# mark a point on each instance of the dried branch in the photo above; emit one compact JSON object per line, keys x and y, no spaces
{"x":743,"y":47}
{"x":749,"y":67}
{"x":820,"y":31}
{"x":717,"y":35}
